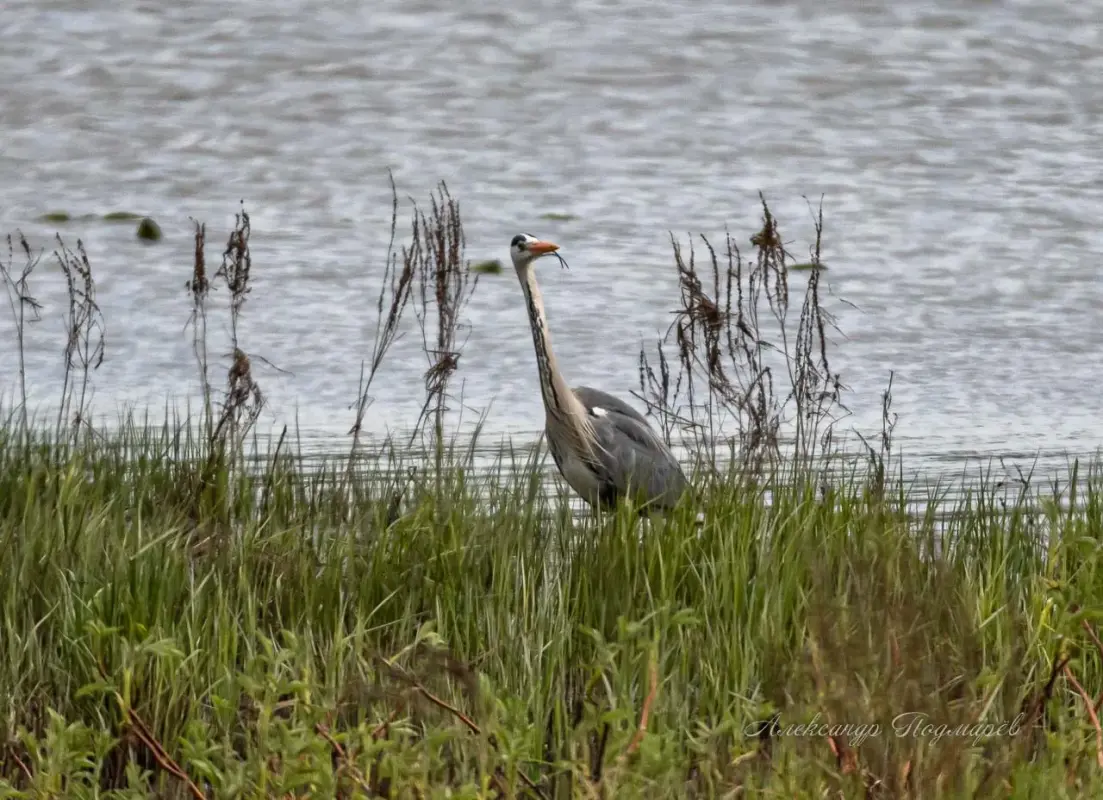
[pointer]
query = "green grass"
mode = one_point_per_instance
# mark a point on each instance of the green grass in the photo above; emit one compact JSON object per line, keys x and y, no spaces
{"x":280,"y":632}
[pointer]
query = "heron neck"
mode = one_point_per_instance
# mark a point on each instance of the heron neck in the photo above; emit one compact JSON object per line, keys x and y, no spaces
{"x":554,"y":389}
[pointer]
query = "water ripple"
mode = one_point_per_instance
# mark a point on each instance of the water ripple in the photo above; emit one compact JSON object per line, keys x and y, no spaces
{"x":955,"y":145}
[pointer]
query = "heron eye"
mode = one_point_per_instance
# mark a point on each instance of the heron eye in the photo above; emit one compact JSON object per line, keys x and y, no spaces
{"x":519,"y":241}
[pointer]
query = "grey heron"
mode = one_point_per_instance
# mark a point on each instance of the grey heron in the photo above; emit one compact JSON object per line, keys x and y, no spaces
{"x":604,"y":448}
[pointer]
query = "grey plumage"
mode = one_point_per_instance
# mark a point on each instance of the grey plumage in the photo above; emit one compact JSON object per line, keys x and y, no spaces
{"x":604,"y":448}
{"x":630,"y":454}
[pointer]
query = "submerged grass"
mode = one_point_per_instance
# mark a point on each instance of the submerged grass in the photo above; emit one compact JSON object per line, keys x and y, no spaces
{"x":178,"y":621}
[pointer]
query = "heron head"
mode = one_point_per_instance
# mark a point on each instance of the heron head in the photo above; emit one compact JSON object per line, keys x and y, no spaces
{"x":525,"y":248}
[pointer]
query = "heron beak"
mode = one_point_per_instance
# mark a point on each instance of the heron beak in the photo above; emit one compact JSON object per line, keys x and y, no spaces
{"x":542,"y":248}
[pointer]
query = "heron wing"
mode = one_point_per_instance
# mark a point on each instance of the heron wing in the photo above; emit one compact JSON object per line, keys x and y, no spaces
{"x":595,"y":398}
{"x":631,"y":454}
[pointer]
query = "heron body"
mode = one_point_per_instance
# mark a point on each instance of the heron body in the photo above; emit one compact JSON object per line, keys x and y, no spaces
{"x":603,"y":448}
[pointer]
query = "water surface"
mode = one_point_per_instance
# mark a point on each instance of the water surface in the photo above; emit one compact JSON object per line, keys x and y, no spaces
{"x":955,"y":144}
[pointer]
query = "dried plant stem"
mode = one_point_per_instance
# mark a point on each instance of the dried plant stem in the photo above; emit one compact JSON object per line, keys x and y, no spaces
{"x":445,"y":286}
{"x":160,"y":755}
{"x":648,"y":702}
{"x":394,"y":295}
{"x":343,"y":759}
{"x":1099,"y":648}
{"x":85,"y":329}
{"x":444,"y":705}
{"x":20,"y":301}
{"x":243,"y":400}
{"x":380,"y":729}
{"x":27,"y":774}
{"x":199,"y":287}
{"x":733,"y":339}
{"x":1090,"y":706}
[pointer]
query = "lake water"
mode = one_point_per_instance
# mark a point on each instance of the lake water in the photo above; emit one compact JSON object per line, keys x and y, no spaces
{"x":956,"y":146}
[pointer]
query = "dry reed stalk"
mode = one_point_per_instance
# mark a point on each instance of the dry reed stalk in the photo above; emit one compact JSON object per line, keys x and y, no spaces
{"x":733,"y":337}
{"x":199,"y":287}
{"x":243,"y":400}
{"x":445,"y":286}
{"x":161,"y":755}
{"x":394,"y":295}
{"x":20,"y":301}
{"x":85,"y":334}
